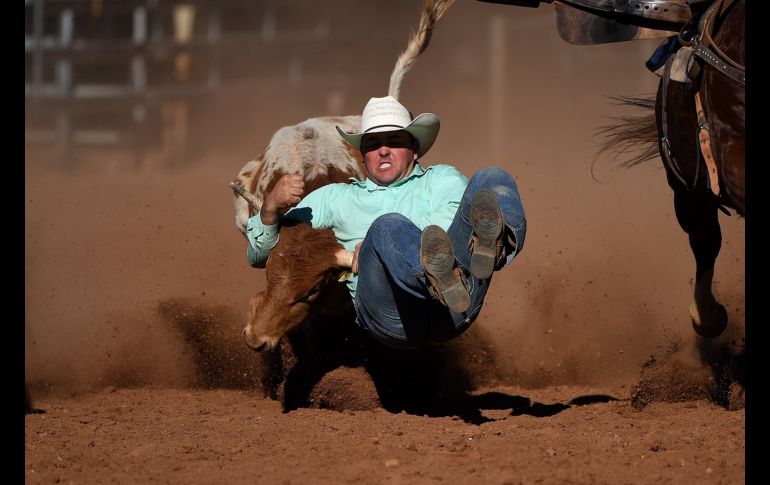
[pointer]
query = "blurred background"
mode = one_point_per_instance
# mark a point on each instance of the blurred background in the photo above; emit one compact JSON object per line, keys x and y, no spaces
{"x":138,"y":113}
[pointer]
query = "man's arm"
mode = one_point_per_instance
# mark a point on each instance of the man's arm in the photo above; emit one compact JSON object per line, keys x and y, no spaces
{"x":262,"y":229}
{"x":261,"y":241}
{"x":286,"y":194}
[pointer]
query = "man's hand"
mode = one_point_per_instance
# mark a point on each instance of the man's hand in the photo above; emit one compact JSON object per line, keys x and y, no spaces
{"x":286,"y":194}
{"x":354,"y":266}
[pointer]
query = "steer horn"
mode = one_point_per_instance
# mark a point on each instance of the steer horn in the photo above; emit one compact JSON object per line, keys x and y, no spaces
{"x":250,"y":198}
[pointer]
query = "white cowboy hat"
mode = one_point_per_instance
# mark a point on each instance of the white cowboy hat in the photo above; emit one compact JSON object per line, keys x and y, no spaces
{"x":387,"y":114}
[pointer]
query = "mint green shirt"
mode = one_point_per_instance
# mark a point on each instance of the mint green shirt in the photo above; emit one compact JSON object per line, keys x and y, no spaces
{"x":426,"y":196}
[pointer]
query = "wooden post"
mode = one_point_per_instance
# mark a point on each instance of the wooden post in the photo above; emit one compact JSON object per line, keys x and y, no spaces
{"x":138,"y":85}
{"x":37,"y":32}
{"x":156,"y":20}
{"x":138,"y":66}
{"x":64,"y":65}
{"x":64,"y":85}
{"x":268,"y":20}
{"x":177,"y":109}
{"x":184,"y":21}
{"x":215,"y":58}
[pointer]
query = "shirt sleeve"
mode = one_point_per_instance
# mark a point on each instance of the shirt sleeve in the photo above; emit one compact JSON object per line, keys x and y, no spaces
{"x":316,"y":209}
{"x":447,"y":186}
{"x":313,"y":210}
{"x":261,"y":241}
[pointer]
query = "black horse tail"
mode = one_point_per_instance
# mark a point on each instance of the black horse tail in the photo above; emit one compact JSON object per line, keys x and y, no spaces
{"x":632,"y":138}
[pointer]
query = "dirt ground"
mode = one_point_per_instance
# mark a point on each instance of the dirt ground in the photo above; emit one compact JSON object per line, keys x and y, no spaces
{"x":582,"y":367}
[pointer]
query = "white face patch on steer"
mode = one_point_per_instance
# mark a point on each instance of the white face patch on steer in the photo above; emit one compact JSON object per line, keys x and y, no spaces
{"x":312,"y":148}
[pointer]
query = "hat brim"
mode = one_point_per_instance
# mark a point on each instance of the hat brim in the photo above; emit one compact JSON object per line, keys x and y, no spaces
{"x":424,"y":128}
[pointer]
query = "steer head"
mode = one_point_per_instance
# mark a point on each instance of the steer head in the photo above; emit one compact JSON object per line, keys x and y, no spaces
{"x":303,"y":282}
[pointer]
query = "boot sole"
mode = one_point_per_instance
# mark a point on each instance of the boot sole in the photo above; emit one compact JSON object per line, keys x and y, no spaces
{"x":486,"y":220}
{"x":438,"y":261}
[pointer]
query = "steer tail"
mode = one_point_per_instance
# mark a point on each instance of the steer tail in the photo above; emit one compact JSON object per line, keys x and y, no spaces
{"x":431,"y":12}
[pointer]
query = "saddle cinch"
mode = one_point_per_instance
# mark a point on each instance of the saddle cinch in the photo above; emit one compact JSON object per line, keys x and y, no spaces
{"x":586,"y":22}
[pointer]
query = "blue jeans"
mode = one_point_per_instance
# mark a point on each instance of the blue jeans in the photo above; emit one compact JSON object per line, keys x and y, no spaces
{"x":393,"y":303}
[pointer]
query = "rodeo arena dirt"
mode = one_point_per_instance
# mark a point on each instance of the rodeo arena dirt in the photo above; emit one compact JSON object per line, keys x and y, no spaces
{"x":583,"y":366}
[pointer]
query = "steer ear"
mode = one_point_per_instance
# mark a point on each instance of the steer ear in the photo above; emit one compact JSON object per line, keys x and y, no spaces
{"x":344,"y":276}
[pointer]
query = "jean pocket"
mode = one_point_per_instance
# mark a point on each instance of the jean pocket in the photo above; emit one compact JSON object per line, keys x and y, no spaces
{"x":384,"y":331}
{"x":367,"y":321}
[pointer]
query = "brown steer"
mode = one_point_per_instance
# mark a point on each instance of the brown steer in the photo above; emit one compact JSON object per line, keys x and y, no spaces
{"x":303,"y":281}
{"x":304,"y":268}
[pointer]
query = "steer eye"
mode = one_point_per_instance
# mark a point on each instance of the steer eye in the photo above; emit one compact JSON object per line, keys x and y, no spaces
{"x":310,"y":294}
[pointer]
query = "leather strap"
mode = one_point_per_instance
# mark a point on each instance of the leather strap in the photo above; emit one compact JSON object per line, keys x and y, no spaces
{"x":668,"y":156}
{"x":707,"y":50}
{"x":738,"y":75}
{"x":704,"y":137}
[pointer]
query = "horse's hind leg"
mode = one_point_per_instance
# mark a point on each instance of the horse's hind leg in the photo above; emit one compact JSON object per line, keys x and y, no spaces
{"x":698,"y":217}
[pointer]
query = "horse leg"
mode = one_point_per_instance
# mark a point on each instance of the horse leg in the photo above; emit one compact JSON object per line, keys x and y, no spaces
{"x":697,"y":216}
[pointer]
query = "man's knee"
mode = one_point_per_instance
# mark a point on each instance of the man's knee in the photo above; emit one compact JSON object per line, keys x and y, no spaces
{"x":491,"y":176}
{"x":494,"y":178}
{"x":389,"y":222}
{"x":379,"y":234}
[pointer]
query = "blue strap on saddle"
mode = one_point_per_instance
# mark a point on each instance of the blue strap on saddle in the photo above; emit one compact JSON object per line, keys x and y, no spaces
{"x":662,"y":53}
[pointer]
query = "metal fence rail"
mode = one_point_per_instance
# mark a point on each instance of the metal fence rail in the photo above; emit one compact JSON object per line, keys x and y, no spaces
{"x":136,"y":65}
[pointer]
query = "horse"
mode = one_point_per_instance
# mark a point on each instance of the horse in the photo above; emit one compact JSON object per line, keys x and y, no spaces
{"x":696,"y":124}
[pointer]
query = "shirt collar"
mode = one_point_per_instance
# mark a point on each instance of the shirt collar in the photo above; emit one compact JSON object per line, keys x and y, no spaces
{"x":371,"y":186}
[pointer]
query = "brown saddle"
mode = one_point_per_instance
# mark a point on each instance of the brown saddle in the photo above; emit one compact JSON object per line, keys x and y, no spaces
{"x":604,"y":21}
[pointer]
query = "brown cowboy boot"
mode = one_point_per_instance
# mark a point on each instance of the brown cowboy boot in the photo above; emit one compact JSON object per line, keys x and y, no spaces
{"x":486,"y":246}
{"x":438,"y":261}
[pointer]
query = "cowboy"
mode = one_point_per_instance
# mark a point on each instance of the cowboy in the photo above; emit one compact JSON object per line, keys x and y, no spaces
{"x":425,"y":240}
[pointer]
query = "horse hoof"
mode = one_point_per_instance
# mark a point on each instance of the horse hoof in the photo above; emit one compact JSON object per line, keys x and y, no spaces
{"x":713,"y":328}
